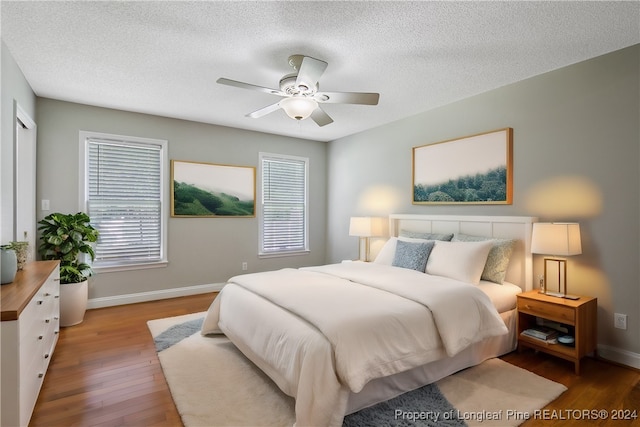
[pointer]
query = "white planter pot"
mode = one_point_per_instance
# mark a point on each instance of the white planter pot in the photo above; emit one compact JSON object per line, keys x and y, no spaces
{"x":73,"y":302}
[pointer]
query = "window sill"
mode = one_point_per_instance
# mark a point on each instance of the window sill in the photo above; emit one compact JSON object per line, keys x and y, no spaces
{"x":126,"y":267}
{"x":283,"y":254}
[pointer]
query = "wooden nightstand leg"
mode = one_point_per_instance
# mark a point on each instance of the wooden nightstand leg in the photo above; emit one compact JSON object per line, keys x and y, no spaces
{"x":577,"y":366}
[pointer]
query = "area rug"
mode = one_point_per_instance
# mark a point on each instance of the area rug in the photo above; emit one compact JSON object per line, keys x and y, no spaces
{"x":213,"y":384}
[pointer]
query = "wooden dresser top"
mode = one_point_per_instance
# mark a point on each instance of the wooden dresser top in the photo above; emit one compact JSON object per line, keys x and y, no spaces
{"x":15,"y":296}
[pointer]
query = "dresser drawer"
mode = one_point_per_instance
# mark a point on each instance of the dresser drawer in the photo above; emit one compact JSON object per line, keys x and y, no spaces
{"x":30,"y":382}
{"x":32,"y":344}
{"x":557,"y":312}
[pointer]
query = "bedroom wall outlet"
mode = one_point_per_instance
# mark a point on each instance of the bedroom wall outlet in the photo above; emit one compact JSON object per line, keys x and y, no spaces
{"x":620,"y":321}
{"x":245,"y":266}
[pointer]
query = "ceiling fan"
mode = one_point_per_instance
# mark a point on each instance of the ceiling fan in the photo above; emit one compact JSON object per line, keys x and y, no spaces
{"x":301,"y":94}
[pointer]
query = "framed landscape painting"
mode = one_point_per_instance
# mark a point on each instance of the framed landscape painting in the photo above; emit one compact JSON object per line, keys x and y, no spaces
{"x":472,"y":169}
{"x":210,"y":190}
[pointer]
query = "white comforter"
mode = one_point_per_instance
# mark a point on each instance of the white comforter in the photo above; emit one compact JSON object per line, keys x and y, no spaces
{"x":374,"y":321}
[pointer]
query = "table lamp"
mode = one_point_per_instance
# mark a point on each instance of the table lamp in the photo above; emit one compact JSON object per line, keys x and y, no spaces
{"x":556,"y":239}
{"x":365,"y":228}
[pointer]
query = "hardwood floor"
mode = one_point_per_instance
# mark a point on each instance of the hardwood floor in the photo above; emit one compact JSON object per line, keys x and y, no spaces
{"x":105,"y":372}
{"x":601,"y":386}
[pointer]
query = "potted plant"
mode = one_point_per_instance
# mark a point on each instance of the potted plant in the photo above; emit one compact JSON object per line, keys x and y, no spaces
{"x":64,"y":237}
{"x":22,"y":250}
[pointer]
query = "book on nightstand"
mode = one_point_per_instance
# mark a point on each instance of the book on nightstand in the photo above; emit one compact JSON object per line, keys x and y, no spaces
{"x":541,"y":333}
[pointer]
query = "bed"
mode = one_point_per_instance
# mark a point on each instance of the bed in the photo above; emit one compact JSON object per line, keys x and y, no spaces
{"x":438,"y":298}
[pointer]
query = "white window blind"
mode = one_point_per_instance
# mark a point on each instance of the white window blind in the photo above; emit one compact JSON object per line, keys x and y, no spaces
{"x":284,"y":219}
{"x":124,"y":199}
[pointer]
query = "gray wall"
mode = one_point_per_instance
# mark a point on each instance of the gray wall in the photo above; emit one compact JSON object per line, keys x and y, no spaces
{"x":200,"y":250}
{"x":15,"y":88}
{"x":576,"y":158}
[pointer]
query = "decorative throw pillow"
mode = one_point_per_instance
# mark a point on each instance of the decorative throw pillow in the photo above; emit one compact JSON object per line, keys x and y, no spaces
{"x":412,"y":255}
{"x":462,"y":261}
{"x":387,"y":253}
{"x":426,"y":236}
{"x":495,"y":269}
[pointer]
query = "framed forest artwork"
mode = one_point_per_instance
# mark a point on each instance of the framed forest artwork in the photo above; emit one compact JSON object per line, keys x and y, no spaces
{"x":474,"y":169}
{"x":211,"y":190}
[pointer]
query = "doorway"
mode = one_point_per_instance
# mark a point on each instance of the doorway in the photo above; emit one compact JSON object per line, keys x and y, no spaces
{"x":24,"y":180}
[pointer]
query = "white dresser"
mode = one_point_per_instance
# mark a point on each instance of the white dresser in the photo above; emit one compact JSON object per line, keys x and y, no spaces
{"x":29,"y":333}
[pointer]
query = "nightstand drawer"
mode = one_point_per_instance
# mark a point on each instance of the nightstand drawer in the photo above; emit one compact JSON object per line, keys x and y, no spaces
{"x":557,"y":312}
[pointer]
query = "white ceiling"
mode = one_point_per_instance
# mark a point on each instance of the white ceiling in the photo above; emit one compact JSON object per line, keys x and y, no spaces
{"x":164,"y":58}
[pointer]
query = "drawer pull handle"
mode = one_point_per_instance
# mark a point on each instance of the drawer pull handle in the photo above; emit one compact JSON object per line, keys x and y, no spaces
{"x":40,"y":375}
{"x":57,"y":296}
{"x":56,"y":332}
{"x":47,"y":294}
{"x":47,"y":320}
{"x":57,"y":279}
{"x":39,"y":302}
{"x":56,"y":318}
{"x":40,"y":337}
{"x":46,"y":356}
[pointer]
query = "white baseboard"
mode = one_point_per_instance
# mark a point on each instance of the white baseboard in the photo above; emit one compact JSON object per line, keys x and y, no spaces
{"x":618,"y":355}
{"x":153,"y":295}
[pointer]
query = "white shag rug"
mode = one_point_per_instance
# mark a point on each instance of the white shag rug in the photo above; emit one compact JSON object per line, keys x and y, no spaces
{"x":213,"y":384}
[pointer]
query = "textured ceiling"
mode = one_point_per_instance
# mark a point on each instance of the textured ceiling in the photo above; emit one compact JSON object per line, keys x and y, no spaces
{"x":164,"y":58}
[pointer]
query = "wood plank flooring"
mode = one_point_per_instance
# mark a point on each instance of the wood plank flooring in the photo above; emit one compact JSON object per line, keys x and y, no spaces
{"x":105,"y":372}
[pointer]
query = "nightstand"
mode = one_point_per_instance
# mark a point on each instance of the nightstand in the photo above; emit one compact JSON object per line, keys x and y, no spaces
{"x":580,"y":314}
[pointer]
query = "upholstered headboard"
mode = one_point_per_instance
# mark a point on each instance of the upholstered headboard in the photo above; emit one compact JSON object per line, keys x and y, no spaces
{"x":520,"y":271}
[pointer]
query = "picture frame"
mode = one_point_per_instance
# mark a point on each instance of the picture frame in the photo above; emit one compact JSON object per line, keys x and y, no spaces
{"x":475,"y":169}
{"x":209,"y":190}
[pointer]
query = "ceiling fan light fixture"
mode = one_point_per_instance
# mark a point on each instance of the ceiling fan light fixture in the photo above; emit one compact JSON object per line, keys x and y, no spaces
{"x":298,"y":108}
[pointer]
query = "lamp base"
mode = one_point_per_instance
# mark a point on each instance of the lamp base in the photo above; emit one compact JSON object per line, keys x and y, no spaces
{"x":553,"y":294}
{"x":560,"y":295}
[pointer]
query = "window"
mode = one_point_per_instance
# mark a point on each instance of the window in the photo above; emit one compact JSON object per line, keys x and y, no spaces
{"x":123,"y":193}
{"x":283,"y":205}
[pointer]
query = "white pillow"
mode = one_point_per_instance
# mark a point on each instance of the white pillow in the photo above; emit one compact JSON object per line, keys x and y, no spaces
{"x":462,"y":261}
{"x":388,"y":251}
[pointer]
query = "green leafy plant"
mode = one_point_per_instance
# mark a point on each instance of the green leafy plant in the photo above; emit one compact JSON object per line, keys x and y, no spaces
{"x":64,"y":237}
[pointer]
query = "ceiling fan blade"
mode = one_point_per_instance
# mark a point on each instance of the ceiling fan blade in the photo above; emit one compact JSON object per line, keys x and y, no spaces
{"x":320,"y":117}
{"x":264,"y":111}
{"x":310,"y":71}
{"x":364,"y":98}
{"x":242,"y":85}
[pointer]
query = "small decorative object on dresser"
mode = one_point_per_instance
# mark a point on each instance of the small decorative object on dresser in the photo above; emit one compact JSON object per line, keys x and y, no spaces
{"x":22,"y":252}
{"x":9,"y":264}
{"x":575,"y":319}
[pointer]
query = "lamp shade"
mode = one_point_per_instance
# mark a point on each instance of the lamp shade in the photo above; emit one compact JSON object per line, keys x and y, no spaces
{"x":298,"y":108}
{"x":556,"y":238}
{"x":368,"y":227}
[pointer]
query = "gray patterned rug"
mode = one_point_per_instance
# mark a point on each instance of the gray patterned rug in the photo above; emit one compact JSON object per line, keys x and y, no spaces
{"x":213,"y":384}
